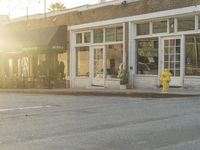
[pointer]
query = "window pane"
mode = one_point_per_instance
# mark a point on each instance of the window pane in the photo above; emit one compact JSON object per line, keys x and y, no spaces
{"x":87,"y":37}
{"x":199,"y":21}
{"x":160,"y":26}
{"x":177,"y":73}
{"x":82,"y":61}
{"x":171,"y":25}
{"x":186,"y":23}
{"x":110,"y":34}
{"x":147,"y":56}
{"x":98,"y":36}
{"x":79,"y":38}
{"x":192,"y":60}
{"x":178,"y":42}
{"x":119,"y":34}
{"x":143,"y":29}
{"x":114,"y":55}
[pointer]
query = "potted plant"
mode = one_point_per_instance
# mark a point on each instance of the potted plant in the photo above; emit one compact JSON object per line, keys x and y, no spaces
{"x":123,"y":75}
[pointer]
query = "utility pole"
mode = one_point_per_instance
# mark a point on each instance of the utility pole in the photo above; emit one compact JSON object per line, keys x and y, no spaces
{"x":27,"y":12}
{"x":45,"y":13}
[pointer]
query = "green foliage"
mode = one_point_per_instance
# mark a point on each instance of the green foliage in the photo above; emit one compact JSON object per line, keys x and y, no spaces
{"x":56,"y":6}
{"x":123,"y":75}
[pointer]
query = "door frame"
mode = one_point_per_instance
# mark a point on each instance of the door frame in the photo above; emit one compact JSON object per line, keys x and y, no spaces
{"x":175,"y":81}
{"x":93,"y":81}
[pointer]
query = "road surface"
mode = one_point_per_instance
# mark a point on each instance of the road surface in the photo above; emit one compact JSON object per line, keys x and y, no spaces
{"x":52,"y":122}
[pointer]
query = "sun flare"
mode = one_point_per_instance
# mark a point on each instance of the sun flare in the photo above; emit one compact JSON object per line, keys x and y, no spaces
{"x":17,"y":8}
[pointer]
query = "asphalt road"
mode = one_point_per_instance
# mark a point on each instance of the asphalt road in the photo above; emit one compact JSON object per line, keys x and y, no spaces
{"x":48,"y":122}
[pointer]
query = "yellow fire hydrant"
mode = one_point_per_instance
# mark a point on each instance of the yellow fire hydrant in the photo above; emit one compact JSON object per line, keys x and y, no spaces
{"x":165,"y":80}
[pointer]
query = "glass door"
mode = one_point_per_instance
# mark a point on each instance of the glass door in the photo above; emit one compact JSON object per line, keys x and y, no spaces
{"x":172,"y":59}
{"x":98,"y":66}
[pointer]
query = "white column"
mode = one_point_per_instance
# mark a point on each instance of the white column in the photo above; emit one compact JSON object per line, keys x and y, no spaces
{"x":72,"y":59}
{"x":124,"y":44}
{"x":91,"y":62}
{"x":196,"y":23}
{"x":160,"y":55}
{"x":132,"y":52}
{"x":182,"y":67}
{"x":175,"y":25}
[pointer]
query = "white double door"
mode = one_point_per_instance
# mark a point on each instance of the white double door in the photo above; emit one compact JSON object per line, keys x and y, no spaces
{"x":172,"y":59}
{"x":98,"y":65}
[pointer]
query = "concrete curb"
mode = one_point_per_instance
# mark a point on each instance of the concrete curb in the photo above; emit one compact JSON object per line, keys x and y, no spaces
{"x":101,"y":93}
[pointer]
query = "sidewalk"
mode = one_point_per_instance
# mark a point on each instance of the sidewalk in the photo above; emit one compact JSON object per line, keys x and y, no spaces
{"x":149,"y":93}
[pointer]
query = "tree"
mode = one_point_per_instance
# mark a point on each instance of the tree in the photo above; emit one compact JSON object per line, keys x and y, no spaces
{"x":56,"y":6}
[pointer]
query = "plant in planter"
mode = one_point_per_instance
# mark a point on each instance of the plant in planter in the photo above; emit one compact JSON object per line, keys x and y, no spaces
{"x":123,"y":75}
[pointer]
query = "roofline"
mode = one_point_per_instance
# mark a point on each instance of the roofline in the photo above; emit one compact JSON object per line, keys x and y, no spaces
{"x":64,"y":11}
{"x":139,"y":18}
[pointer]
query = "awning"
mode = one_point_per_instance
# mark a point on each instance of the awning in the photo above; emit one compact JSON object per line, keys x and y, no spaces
{"x":50,"y":38}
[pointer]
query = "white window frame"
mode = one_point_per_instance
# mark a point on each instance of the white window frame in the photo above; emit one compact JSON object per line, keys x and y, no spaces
{"x":104,"y":44}
{"x":83,"y":39}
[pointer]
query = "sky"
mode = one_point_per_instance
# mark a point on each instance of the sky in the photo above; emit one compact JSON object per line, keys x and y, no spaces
{"x":18,"y":8}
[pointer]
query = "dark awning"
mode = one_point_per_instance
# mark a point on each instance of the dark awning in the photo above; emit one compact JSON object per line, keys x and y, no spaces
{"x":50,"y":38}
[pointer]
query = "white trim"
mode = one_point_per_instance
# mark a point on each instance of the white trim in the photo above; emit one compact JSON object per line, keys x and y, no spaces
{"x":124,"y":44}
{"x":196,"y":23}
{"x":169,"y":35}
{"x":143,"y":75}
{"x":183,"y":56}
{"x":168,"y":26}
{"x":175,"y":80}
{"x":83,"y":37}
{"x":150,"y":28}
{"x":160,"y":14}
{"x":71,"y":62}
{"x":175,"y":25}
{"x":131,"y":59}
{"x":81,"y":77}
{"x":192,"y":77}
{"x":160,"y":55}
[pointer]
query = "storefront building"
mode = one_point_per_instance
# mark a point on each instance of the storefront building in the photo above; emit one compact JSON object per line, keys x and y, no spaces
{"x":156,"y":41}
{"x":167,"y":40}
{"x":143,"y":37}
{"x":34,"y":59}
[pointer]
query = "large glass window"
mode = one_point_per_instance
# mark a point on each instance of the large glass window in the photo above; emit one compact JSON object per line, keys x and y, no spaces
{"x":98,"y":36}
{"x":160,"y":26}
{"x":79,"y":38}
{"x":82,"y":61}
{"x":192,"y":56}
{"x":147,"y":56}
{"x":143,"y":29}
{"x":186,"y":23}
{"x":110,"y":34}
{"x":87,"y":37}
{"x":114,"y":54}
{"x":119,"y":34}
{"x":114,"y":34}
